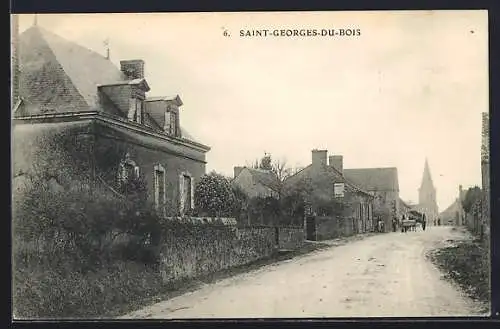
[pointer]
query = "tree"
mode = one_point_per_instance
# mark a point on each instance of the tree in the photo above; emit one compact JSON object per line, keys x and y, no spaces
{"x":266,"y":162}
{"x":214,"y":195}
{"x":473,"y":195}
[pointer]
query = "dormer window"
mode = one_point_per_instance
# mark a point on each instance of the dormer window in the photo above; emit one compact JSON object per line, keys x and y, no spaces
{"x":170,"y":126}
{"x":136,"y":110}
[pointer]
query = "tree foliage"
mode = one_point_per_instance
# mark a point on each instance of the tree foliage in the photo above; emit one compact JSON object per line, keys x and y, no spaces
{"x":473,"y":195}
{"x":214,"y":195}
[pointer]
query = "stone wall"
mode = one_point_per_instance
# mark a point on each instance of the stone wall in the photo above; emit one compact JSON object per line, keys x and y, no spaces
{"x":290,"y":237}
{"x":334,"y":227}
{"x":200,"y":247}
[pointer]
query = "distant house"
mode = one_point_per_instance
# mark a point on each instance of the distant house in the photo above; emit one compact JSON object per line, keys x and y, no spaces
{"x":325,"y":186}
{"x":383,"y":184}
{"x":404,"y":209}
{"x":110,"y":124}
{"x":256,"y":182}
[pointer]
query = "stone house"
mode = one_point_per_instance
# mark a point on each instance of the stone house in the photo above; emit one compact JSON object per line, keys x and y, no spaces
{"x":110,"y":122}
{"x":383,"y":184}
{"x":256,"y":182}
{"x":331,"y":196}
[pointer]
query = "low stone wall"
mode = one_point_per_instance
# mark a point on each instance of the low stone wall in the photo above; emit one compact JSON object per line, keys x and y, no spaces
{"x":199,"y":247}
{"x":290,"y":237}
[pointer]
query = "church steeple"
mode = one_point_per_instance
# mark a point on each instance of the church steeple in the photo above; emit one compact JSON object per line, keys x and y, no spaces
{"x":427,"y":194}
{"x":426,"y":177}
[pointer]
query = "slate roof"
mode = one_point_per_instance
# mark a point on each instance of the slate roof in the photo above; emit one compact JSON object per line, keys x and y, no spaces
{"x":334,"y":174}
{"x":264,"y":177}
{"x":55,"y":72}
{"x":374,"y":179}
{"x":59,"y":76}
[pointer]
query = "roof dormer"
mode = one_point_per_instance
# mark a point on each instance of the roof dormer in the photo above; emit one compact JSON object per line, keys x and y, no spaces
{"x":165,"y":111}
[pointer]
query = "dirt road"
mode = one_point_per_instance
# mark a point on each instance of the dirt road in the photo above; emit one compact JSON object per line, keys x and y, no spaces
{"x":382,"y":275}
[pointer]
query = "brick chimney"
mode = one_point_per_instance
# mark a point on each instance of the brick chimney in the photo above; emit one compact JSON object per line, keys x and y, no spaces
{"x":337,"y":162}
{"x":319,"y":157}
{"x":237,"y":171}
{"x":133,"y":69}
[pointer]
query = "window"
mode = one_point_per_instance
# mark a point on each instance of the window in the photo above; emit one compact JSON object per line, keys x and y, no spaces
{"x":136,"y":110}
{"x":173,"y":123}
{"x":338,"y":190}
{"x":170,"y":126}
{"x":139,"y":107}
{"x":127,"y":170}
{"x":159,"y":183}
{"x":186,"y":193}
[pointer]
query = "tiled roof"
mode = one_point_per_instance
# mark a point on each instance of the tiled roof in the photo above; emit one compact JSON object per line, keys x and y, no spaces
{"x":374,"y":179}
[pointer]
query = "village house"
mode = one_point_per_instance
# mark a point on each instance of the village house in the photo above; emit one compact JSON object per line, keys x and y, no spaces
{"x":337,"y":206}
{"x":256,"y":182}
{"x":64,"y":88}
{"x":383,"y":184}
{"x":404,"y":209}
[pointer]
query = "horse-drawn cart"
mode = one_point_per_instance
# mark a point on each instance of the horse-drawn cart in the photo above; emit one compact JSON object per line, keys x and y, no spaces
{"x":414,"y":219}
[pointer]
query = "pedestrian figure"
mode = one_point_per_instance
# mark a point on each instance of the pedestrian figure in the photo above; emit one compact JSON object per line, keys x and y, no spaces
{"x":423,"y":222}
{"x":439,"y":221}
{"x":394,"y":224}
{"x":434,"y":222}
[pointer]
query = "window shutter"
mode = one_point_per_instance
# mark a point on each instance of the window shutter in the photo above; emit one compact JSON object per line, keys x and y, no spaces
{"x":181,"y":193}
{"x":139,"y":110}
{"x":192,"y":193}
{"x":167,"y":126}
{"x":132,"y":109}
{"x":157,"y":191}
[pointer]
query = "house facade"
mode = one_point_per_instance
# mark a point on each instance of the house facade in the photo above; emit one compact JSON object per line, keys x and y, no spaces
{"x":331,"y":197}
{"x":74,"y":99}
{"x":383,"y":184}
{"x":256,"y":182}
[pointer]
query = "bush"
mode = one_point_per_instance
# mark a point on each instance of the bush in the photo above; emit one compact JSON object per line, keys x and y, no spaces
{"x":214,"y":196}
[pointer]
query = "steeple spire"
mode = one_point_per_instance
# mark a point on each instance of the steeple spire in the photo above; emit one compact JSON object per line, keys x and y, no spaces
{"x":426,"y":178}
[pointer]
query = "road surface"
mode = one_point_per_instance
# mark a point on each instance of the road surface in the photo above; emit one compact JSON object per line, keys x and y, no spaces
{"x":381,"y":275}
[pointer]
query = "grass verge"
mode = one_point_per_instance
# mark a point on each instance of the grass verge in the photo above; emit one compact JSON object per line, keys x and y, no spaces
{"x":467,"y":263}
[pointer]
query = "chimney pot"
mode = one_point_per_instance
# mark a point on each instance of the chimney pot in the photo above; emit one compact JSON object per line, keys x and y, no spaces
{"x":133,"y":69}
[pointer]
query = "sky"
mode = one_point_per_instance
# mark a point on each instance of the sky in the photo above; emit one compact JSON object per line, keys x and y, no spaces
{"x":412,"y":85}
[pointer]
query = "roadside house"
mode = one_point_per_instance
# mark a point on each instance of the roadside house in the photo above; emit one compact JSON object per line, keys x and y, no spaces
{"x":108,"y":122}
{"x":256,"y":182}
{"x":337,"y":206}
{"x":383,"y":184}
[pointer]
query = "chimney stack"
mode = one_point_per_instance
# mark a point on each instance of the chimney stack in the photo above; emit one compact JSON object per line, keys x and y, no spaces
{"x":133,"y":69}
{"x":14,"y":59}
{"x":237,"y":171}
{"x":319,"y":157}
{"x":337,"y":162}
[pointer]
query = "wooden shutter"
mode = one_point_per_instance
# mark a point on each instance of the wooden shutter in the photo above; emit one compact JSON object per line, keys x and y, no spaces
{"x":168,"y":120}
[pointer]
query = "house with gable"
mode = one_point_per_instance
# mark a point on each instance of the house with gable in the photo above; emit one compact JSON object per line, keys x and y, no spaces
{"x":337,"y":205}
{"x":383,"y":184}
{"x":256,"y":182}
{"x":110,"y":123}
